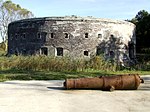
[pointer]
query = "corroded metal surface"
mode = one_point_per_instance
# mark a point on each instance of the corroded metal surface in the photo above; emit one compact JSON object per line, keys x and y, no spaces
{"x":117,"y":82}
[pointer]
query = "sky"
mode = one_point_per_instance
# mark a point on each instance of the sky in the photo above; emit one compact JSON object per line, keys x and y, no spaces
{"x":112,"y":9}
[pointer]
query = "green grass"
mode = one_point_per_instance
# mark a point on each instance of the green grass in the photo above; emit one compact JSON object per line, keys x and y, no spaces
{"x":45,"y":75}
{"x":53,"y":68}
{"x":132,"y":72}
{"x":50,"y":75}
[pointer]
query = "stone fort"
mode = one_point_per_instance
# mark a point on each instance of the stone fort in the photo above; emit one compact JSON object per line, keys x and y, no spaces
{"x":72,"y":36}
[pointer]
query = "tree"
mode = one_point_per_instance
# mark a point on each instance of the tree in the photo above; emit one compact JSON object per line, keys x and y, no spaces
{"x":142,"y":22}
{"x":141,"y":14}
{"x":9,"y":12}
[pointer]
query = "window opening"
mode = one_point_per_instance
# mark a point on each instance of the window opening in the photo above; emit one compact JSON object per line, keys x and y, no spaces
{"x":98,"y":51}
{"x":86,"y":35}
{"x":24,"y":51}
{"x":44,"y":51}
{"x":111,"y":35}
{"x":39,"y":35}
{"x":24,"y":35}
{"x":66,"y":35}
{"x":99,"y":35}
{"x":52,"y":35}
{"x":43,"y":34}
{"x":86,"y":53}
{"x":112,"y":54}
{"x":59,"y":51}
{"x":16,"y":36}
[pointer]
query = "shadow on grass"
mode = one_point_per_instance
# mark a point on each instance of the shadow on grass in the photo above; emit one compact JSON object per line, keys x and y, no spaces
{"x":45,"y":75}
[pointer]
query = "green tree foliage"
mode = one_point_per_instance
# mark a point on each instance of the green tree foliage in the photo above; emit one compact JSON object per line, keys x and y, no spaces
{"x":141,"y":15}
{"x":9,"y":12}
{"x":142,"y":22}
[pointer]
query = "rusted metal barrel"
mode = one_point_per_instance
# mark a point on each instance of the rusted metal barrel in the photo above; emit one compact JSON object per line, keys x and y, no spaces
{"x":116,"y":82}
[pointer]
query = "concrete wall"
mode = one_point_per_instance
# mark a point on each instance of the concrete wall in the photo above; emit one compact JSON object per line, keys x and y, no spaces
{"x":73,"y":36}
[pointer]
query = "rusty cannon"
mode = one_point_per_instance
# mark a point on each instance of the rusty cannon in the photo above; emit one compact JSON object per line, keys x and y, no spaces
{"x":108,"y":83}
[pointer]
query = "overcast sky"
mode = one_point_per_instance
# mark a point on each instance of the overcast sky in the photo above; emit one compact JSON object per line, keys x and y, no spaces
{"x":115,"y":9}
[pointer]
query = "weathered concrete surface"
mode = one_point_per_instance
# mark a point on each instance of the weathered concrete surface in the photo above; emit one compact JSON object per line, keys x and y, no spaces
{"x":49,"y":96}
{"x":78,"y":37}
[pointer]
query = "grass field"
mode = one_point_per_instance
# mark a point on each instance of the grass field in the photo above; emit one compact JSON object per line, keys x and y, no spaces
{"x":52,"y":68}
{"x":49,"y":75}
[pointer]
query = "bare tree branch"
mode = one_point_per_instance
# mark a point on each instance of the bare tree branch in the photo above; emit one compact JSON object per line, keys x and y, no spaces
{"x":9,"y":12}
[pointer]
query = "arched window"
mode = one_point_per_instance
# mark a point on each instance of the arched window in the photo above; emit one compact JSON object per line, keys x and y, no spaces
{"x":52,"y":35}
{"x":66,"y":35}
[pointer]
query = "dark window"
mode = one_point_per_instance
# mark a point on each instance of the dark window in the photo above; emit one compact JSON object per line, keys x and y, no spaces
{"x":59,"y":51}
{"x":99,"y":35}
{"x":52,"y":35}
{"x":86,"y":53}
{"x":16,"y":52}
{"x":24,"y":51}
{"x":43,"y":34}
{"x":44,"y":51}
{"x":112,"y":54}
{"x":86,"y":35}
{"x":16,"y":36}
{"x":98,"y":51}
{"x":111,"y":36}
{"x":66,"y":35}
{"x":23,"y":35}
{"x":39,"y":35}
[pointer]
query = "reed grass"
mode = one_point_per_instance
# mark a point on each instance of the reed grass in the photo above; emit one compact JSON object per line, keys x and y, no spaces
{"x":39,"y":63}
